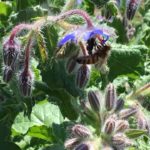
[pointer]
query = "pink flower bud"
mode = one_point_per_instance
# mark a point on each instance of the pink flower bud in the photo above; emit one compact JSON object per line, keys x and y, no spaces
{"x":132,"y":6}
{"x":142,"y":121}
{"x":71,"y":143}
{"x":119,"y":104}
{"x":84,"y":146}
{"x":110,"y":100}
{"x":71,"y":64}
{"x":109,"y":126}
{"x":121,"y":125}
{"x":25,"y":83}
{"x":81,"y":131}
{"x":125,"y":113}
{"x":118,"y":140}
{"x":83,"y":76}
{"x":11,"y":49}
{"x":8,"y":73}
{"x":94,"y":97}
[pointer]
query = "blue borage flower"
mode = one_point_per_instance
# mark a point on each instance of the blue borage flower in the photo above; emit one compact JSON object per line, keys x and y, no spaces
{"x":79,"y":1}
{"x":74,"y":36}
{"x":94,"y":33}
{"x":69,"y":37}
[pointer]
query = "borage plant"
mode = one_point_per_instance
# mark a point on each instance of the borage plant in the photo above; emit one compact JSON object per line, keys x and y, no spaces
{"x":107,"y":124}
{"x":102,"y":121}
{"x":94,"y":38}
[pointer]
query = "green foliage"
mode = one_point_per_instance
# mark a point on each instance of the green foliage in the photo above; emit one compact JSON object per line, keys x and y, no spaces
{"x":41,"y":122}
{"x":134,"y":133}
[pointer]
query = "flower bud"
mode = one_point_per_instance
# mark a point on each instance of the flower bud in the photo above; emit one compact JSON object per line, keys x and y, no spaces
{"x":81,"y":131}
{"x":71,"y":143}
{"x":94,"y":97}
{"x":25,"y":83}
{"x":118,"y":140}
{"x":83,"y":76}
{"x":119,"y":104}
{"x":125,"y":113}
{"x":71,"y":64}
{"x":109,"y":126}
{"x":132,"y":6}
{"x":142,"y":122}
{"x":110,"y":100}
{"x":8,"y":73}
{"x":84,"y":146}
{"x":11,"y":50}
{"x":121,"y":125}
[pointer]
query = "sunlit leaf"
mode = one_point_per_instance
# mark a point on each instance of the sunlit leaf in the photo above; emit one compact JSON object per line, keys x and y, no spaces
{"x":41,"y":132}
{"x":45,"y":113}
{"x":42,"y":46}
{"x":135,"y":133}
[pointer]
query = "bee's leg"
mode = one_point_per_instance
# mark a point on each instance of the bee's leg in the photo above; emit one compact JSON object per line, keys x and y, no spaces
{"x":84,"y":51}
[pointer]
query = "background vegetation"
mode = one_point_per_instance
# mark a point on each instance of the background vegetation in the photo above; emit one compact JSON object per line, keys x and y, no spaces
{"x":39,"y":122}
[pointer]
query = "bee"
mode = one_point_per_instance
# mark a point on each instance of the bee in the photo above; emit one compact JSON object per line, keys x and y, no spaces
{"x":90,"y":45}
{"x":101,"y":53}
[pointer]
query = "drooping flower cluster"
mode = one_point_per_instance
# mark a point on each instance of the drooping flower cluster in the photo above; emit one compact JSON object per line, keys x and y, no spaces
{"x":91,"y":40}
{"x":110,"y":121}
{"x":11,"y":53}
{"x":11,"y":49}
{"x":92,"y":49}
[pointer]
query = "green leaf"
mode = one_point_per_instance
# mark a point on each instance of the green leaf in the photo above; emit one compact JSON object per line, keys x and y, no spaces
{"x":22,"y":124}
{"x":45,"y":113}
{"x":5,"y":8}
{"x":55,"y":6}
{"x":135,"y":133}
{"x":111,"y":6}
{"x":62,"y":97}
{"x":8,"y":146}
{"x":29,"y":13}
{"x":56,"y":77}
{"x":120,"y":30}
{"x":41,"y":132}
{"x":125,"y":60}
{"x":99,"y":3}
{"x":42,"y":46}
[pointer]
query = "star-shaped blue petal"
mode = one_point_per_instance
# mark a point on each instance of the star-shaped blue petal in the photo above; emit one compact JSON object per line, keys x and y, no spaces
{"x":67,"y":38}
{"x":95,"y":32}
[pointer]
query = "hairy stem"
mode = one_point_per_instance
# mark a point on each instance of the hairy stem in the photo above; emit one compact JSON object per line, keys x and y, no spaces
{"x":79,"y":12}
{"x":17,"y":29}
{"x":27,"y":52}
{"x":41,"y":22}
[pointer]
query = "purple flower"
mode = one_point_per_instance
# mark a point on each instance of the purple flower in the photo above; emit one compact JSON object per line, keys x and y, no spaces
{"x":83,"y":34}
{"x":11,"y":49}
{"x":69,"y":37}
{"x":79,"y":2}
{"x":94,"y":33}
{"x":25,"y":83}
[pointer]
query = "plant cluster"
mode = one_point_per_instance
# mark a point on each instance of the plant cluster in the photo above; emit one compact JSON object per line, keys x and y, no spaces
{"x":64,"y":70}
{"x":110,"y":121}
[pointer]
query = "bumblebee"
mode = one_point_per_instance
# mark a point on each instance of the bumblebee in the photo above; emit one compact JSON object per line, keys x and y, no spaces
{"x":101,"y":52}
